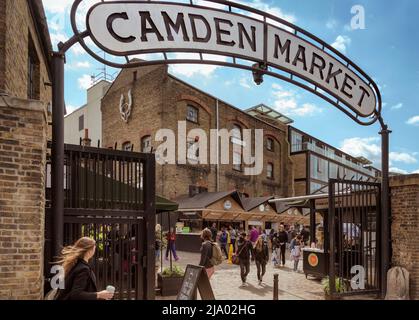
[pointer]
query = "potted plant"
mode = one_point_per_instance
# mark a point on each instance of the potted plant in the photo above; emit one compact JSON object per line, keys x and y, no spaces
{"x":340,"y":288}
{"x":170,"y":281}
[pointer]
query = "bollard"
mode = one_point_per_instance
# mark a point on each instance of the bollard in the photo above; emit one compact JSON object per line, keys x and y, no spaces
{"x":276,"y":287}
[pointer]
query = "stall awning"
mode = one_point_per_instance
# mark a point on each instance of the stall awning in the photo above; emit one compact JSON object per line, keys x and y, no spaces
{"x":165,"y":205}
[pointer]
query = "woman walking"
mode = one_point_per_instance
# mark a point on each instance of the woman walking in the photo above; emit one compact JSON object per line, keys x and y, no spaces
{"x":244,"y":252}
{"x":261,"y":251}
{"x":171,"y":244}
{"x":296,"y":246}
{"x":80,"y":281}
{"x":206,"y":252}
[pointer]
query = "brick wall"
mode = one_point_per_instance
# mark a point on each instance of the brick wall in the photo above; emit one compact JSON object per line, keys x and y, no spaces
{"x":405,"y":227}
{"x":2,"y":42}
{"x":22,"y":195}
{"x":19,"y":26}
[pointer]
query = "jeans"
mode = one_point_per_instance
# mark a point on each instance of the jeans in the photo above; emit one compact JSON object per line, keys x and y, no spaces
{"x":296,"y":261}
{"x":261,"y":266}
{"x":171,"y":247}
{"x":224,"y":249}
{"x":244,"y":269}
{"x":281,"y":252}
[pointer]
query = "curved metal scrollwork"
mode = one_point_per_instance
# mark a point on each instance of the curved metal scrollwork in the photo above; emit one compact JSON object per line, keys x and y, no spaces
{"x":276,"y":48}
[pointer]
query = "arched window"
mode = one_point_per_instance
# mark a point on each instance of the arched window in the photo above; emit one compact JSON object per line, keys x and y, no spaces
{"x":127,"y":146}
{"x":146,"y":144}
{"x":236,"y":139}
{"x":270,"y":170}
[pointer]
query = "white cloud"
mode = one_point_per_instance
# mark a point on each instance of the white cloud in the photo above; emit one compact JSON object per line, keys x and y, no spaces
{"x":190,"y":70}
{"x":56,"y":38}
{"x":54,"y":6}
{"x":83,"y":64}
{"x":398,"y":171}
{"x":286,"y":102}
{"x":416,"y":171}
{"x":402,"y":157}
{"x":244,"y":82}
{"x":341,"y":43}
{"x":413,"y":121}
{"x":397,"y":106}
{"x":85,"y":82}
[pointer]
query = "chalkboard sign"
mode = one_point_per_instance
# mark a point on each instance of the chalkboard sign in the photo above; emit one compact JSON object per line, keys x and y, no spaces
{"x":196,"y":278}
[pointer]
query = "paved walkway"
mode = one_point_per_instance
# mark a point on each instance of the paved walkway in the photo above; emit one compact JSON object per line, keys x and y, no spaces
{"x":226,"y":282}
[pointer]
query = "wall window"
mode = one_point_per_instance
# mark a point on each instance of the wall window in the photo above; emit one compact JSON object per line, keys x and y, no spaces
{"x":296,"y":141}
{"x":33,"y":81}
{"x":319,"y":168}
{"x":270,"y":171}
{"x":192,"y":114}
{"x":127,"y":146}
{"x":146,"y":144}
{"x":81,"y":122}
{"x":270,"y":144}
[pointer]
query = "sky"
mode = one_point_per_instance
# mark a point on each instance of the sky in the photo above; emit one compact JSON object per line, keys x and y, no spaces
{"x":386,"y":47}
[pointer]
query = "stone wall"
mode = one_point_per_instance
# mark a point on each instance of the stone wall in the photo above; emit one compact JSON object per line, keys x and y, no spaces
{"x":23,"y":130}
{"x":405,"y":227}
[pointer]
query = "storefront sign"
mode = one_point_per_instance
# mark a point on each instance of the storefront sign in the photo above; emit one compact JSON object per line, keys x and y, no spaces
{"x":128,"y":28}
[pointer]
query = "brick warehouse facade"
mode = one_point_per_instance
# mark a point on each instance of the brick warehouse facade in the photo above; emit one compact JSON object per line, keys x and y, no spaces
{"x":405,"y":226}
{"x":24,"y":95}
{"x":160,"y":101}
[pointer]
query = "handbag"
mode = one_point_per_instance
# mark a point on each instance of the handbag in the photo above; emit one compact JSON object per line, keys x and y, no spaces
{"x":236,"y":259}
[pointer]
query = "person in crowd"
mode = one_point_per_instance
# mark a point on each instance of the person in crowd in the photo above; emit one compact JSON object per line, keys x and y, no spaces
{"x":233,"y":236}
{"x":261,"y":252}
{"x":223,"y":241}
{"x":296,"y":245}
{"x":244,"y":253}
{"x":282,"y":239}
{"x":171,"y":244}
{"x":305,"y":234}
{"x":206,"y":252}
{"x":214,"y":232}
{"x":291,"y":233}
{"x":254,"y":234}
{"x":80,"y":280}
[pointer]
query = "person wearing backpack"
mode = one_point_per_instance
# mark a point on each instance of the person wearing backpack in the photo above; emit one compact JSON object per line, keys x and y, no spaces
{"x":211,"y":255}
{"x":261,"y":251}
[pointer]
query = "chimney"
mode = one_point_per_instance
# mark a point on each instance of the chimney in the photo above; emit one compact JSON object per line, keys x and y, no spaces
{"x":86,"y":142}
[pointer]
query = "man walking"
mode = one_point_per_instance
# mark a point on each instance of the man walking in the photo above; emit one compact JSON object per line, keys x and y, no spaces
{"x":282,"y":239}
{"x":244,"y":251}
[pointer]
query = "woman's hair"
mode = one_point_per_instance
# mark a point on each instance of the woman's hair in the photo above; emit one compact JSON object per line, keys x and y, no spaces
{"x":206,"y":234}
{"x":70,"y":255}
{"x":158,"y":228}
{"x":259,"y":244}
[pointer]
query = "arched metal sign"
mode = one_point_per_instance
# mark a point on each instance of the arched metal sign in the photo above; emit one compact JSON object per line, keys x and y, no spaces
{"x":236,"y":32}
{"x":240,"y":37}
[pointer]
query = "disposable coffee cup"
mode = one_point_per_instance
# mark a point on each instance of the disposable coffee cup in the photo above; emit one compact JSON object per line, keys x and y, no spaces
{"x":111,"y":289}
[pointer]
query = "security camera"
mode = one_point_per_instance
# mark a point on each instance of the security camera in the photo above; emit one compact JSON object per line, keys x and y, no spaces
{"x":258,"y":73}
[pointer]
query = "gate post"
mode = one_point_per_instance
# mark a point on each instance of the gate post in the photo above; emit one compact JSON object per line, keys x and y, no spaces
{"x":385,"y":208}
{"x":331,"y":237}
{"x":57,"y":153}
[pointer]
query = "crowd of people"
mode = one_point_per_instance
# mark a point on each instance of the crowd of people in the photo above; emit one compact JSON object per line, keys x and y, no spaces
{"x":254,"y":245}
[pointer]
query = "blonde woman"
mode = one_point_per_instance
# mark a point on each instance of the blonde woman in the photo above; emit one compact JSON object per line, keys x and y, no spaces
{"x":80,"y":281}
{"x":261,"y":252}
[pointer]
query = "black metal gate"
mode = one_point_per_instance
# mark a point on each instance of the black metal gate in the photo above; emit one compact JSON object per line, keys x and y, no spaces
{"x":110,"y":197}
{"x":354,"y":237}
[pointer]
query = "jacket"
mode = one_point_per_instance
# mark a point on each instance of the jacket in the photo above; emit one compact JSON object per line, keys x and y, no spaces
{"x":262,"y":256}
{"x":206,"y":255}
{"x":245,"y":250}
{"x":80,"y":283}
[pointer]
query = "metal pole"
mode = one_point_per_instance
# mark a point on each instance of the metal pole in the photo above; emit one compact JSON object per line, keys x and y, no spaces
{"x":57,"y":153}
{"x":276,"y":287}
{"x":312,"y":221}
{"x":385,"y":208}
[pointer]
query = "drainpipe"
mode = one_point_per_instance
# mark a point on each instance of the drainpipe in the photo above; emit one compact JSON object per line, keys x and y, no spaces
{"x":218,"y":144}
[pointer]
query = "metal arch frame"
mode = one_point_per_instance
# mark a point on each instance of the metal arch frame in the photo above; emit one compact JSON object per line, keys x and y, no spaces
{"x":58,"y":61}
{"x":291,"y":78}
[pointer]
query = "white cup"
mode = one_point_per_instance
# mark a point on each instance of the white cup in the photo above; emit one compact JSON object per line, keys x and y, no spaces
{"x":111,"y":289}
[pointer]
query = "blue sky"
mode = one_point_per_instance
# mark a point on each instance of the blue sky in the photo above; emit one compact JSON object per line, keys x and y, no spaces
{"x":387,"y":50}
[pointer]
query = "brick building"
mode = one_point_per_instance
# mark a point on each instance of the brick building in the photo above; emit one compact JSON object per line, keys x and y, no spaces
{"x":160,"y":100}
{"x":25,"y":94}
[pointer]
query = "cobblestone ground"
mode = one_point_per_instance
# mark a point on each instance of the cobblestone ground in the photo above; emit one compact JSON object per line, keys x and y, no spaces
{"x":226,"y":282}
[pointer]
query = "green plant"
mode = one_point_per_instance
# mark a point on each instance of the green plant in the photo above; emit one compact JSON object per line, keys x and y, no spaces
{"x":176,"y":271}
{"x":339,"y":284}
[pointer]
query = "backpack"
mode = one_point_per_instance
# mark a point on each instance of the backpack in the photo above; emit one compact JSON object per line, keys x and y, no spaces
{"x":217,"y":257}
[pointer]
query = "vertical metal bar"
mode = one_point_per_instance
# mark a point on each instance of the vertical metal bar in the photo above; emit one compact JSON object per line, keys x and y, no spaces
{"x":150,"y":222}
{"x":57,"y":153}
{"x":331,"y":227}
{"x":385,"y":207}
{"x":312,"y":221}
